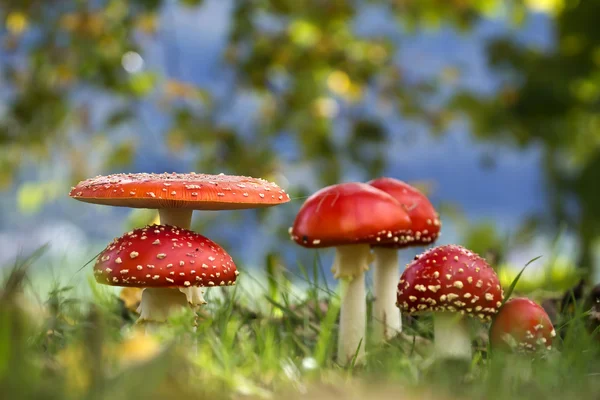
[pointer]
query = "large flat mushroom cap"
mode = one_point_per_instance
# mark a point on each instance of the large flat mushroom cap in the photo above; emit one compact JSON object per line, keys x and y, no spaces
{"x":426,"y":223}
{"x":450,"y":278}
{"x":164,"y":256}
{"x":349,"y":213}
{"x":191,"y":191}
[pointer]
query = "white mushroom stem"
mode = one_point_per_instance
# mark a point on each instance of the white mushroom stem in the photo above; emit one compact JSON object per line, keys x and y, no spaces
{"x":157,"y":303}
{"x":452,"y":338}
{"x":386,"y":274}
{"x":181,"y":217}
{"x":350,"y":264}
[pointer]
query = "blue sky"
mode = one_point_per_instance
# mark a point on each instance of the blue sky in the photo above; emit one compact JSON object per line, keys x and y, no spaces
{"x":188,"y":48}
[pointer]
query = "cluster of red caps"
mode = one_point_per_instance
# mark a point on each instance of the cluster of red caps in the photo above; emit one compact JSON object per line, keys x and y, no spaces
{"x":384,"y":212}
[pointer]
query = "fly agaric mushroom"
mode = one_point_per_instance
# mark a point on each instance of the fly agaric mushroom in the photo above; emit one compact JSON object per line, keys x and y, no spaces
{"x":451,"y":282}
{"x":521,"y":325}
{"x":176,"y":196}
{"x":424,"y":229}
{"x":164,"y":260}
{"x":349,"y":217}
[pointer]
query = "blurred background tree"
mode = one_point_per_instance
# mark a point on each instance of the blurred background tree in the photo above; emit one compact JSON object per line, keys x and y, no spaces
{"x":313,"y":81}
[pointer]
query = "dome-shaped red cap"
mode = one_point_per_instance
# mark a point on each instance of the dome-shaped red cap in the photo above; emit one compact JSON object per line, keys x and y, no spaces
{"x":164,"y":256}
{"x":521,"y":324}
{"x":349,"y":213}
{"x":426,"y":224}
{"x":191,"y":191}
{"x":450,"y":278}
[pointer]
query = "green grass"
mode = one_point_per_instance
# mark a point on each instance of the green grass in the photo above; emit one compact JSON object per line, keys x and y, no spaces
{"x":256,"y":340}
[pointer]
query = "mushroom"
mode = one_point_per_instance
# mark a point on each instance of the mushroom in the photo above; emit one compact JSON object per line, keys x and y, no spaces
{"x":521,"y":325}
{"x":425,"y":229}
{"x":164,"y":260}
{"x":451,"y":282}
{"x":176,"y":196}
{"x":349,"y":217}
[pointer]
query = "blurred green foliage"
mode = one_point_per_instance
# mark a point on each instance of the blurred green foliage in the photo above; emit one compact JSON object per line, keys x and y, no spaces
{"x":304,"y":73}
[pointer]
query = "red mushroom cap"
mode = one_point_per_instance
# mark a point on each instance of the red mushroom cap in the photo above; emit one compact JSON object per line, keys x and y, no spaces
{"x":426,"y":224}
{"x":192,"y":191}
{"x":523,"y":324}
{"x":349,"y":213}
{"x":450,"y":278}
{"x":164,"y":256}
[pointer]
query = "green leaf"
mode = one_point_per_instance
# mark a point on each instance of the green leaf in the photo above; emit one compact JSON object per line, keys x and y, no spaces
{"x":516,"y":280}
{"x":31,"y":196}
{"x":141,"y":84}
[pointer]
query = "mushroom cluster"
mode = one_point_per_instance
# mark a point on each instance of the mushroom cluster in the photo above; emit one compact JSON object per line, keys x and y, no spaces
{"x":350,"y":217}
{"x":381,"y":216}
{"x":424,"y":230}
{"x":168,"y":260}
{"x":452,"y":283}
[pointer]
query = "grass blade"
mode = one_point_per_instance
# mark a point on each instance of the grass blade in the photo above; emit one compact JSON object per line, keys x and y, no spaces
{"x":511,"y":288}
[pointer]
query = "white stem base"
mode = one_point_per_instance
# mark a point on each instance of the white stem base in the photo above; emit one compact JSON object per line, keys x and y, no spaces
{"x":349,"y":265}
{"x":452,"y":338}
{"x":194,"y":295}
{"x":159,"y":304}
{"x":182,"y":218}
{"x":387,"y":319}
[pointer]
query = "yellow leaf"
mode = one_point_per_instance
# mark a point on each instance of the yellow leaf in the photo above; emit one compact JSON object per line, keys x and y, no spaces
{"x":304,"y":33}
{"x":142,"y":83}
{"x":132,"y":297}
{"x":30,"y":198}
{"x":338,"y":82}
{"x":138,"y":348}
{"x":546,"y":6}
{"x":16,"y":22}
{"x":147,"y":23}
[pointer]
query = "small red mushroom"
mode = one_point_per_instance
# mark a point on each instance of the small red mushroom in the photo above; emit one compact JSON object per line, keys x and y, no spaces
{"x":166,"y":261}
{"x":349,"y":217}
{"x":522,"y":325}
{"x":424,"y":229}
{"x":451,"y":282}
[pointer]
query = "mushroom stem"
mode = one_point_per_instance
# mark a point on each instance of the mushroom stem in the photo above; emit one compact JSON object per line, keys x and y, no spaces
{"x":386,"y":316}
{"x":452,"y":338}
{"x":181,"y":217}
{"x":158,"y":304}
{"x":349,"y":265}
